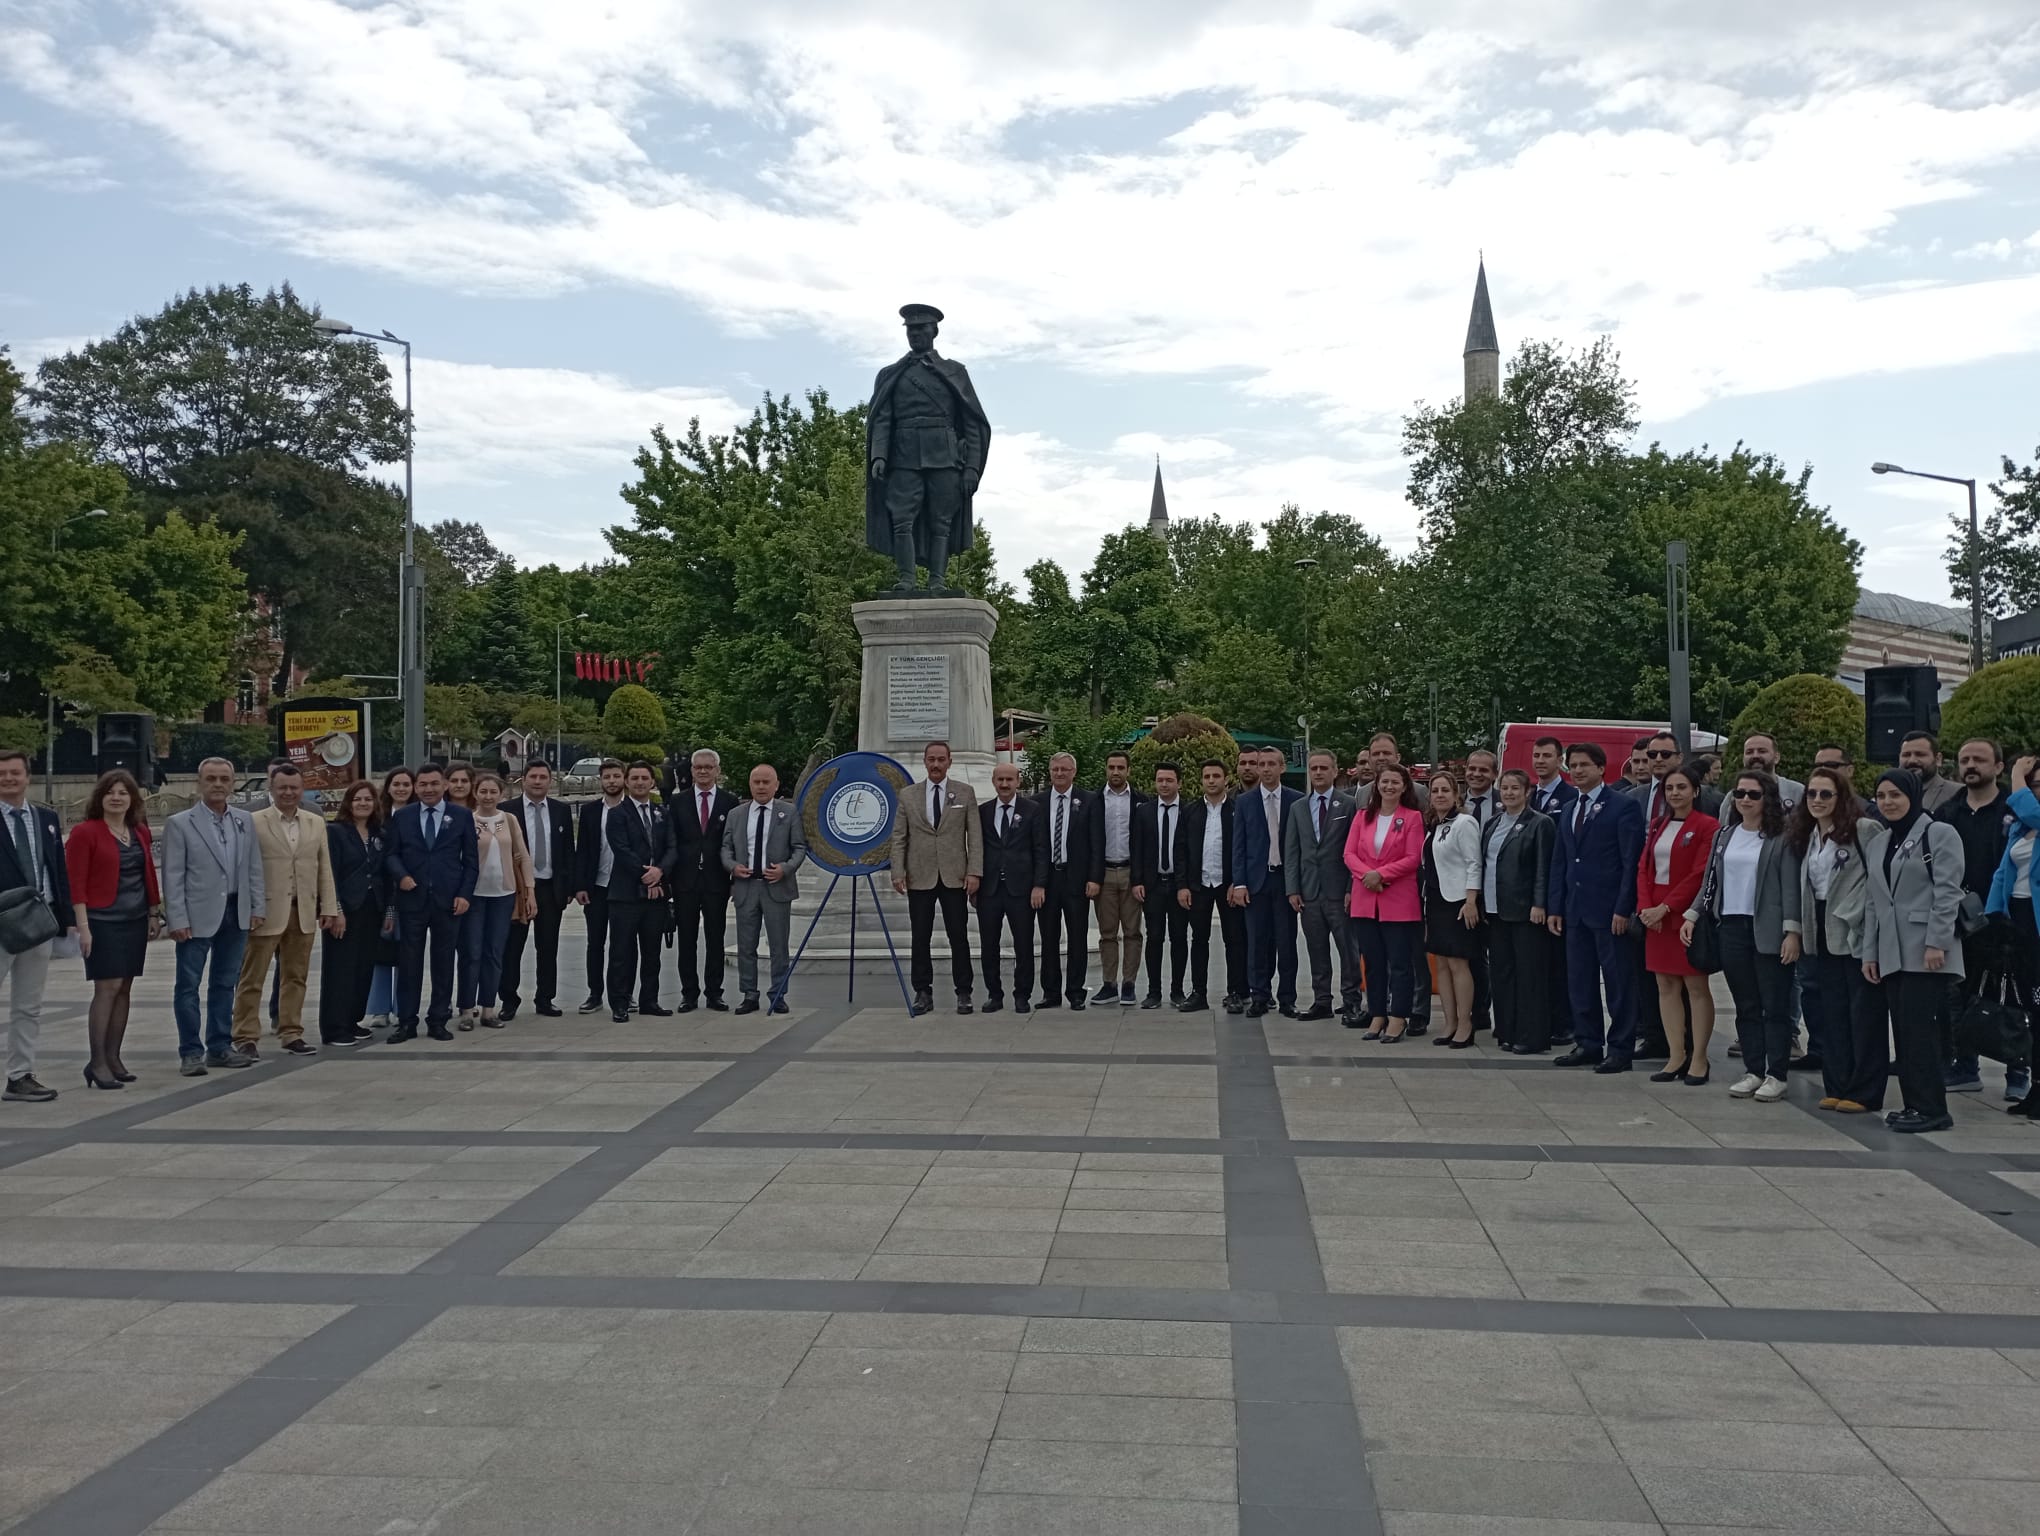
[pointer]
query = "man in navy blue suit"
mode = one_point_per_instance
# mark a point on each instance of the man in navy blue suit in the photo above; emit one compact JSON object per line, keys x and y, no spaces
{"x":431,"y":862}
{"x":1260,"y":818}
{"x":1592,"y":904}
{"x":1551,"y":794}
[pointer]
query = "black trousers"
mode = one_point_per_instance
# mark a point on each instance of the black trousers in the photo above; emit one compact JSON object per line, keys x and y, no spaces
{"x":1916,"y":999}
{"x":551,"y":903}
{"x":1167,"y":920}
{"x":1232,"y":933}
{"x":700,"y":915}
{"x":955,"y":907}
{"x":1390,"y":952}
{"x":346,"y":971}
{"x":1761,"y":985}
{"x":1519,"y":958}
{"x":1850,"y":1031}
{"x":1483,"y":987}
{"x":1558,"y":991}
{"x":635,"y":929}
{"x":443,"y":928}
{"x":1008,"y":907}
{"x":597,"y":915}
{"x":1065,"y":915}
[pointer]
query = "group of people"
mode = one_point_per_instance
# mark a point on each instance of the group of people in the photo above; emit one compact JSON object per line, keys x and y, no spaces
{"x":1558,"y":906}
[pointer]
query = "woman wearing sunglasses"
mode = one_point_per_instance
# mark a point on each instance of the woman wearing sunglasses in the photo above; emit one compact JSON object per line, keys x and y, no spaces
{"x":1846,"y":1018}
{"x":1752,"y":890}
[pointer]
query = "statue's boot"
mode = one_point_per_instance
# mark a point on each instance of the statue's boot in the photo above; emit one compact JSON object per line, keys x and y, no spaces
{"x":903,"y":557}
{"x":938,"y":563}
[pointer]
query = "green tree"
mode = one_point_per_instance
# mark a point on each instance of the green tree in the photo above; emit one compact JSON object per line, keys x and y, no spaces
{"x":452,"y":714}
{"x":1109,"y":646}
{"x":635,"y":724}
{"x":2001,"y":702}
{"x":1802,"y":714}
{"x":2009,"y":543}
{"x":1246,"y":678}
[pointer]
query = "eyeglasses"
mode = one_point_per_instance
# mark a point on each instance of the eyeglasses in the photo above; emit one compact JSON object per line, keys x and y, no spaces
{"x":1748,"y":794}
{"x":1820,"y":794}
{"x":1660,"y":756}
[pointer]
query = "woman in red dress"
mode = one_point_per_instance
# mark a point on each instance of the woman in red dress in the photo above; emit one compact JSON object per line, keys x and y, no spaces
{"x":1675,"y":850}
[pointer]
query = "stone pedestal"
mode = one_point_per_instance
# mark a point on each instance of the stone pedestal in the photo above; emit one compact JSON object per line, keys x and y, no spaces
{"x":928,"y":677}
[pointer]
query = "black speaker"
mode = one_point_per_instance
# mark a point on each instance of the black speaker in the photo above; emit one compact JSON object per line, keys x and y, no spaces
{"x":129,"y":741}
{"x":1896,"y":702}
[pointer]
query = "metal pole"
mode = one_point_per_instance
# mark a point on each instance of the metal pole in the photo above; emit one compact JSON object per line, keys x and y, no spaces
{"x":1975,"y":585}
{"x":368,"y":738}
{"x":413,"y":665}
{"x":1678,"y":643}
{"x":1434,"y":725}
{"x":557,"y":696}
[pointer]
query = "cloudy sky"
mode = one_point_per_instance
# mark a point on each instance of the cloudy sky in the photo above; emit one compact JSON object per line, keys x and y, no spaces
{"x":1239,"y":235}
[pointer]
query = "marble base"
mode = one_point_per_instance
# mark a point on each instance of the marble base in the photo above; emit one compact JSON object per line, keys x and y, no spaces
{"x":919,"y":632}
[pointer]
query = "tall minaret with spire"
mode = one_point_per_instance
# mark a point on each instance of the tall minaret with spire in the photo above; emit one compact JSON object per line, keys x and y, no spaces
{"x":1483,"y":354}
{"x":1158,"y":507}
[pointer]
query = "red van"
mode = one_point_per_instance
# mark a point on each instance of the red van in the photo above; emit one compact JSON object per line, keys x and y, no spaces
{"x":1615,"y":737}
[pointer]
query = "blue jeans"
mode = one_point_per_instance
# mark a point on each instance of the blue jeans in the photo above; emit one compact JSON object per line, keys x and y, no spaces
{"x":484,"y":930}
{"x":382,"y":991}
{"x":223,"y":949}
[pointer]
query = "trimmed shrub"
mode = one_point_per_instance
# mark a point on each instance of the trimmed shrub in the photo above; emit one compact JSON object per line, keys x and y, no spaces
{"x":2001,"y":702}
{"x":1799,"y":713}
{"x":1185,"y":740}
{"x":634,"y":722}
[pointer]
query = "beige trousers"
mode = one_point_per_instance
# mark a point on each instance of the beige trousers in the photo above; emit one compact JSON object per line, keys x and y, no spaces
{"x":1119,"y":950}
{"x":295,"y":947}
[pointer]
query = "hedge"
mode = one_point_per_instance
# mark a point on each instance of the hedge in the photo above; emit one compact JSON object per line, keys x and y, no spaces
{"x":1801,"y":714}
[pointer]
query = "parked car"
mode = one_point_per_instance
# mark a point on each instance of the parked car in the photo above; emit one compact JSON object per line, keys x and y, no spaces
{"x":252,"y":794}
{"x":584,"y":778}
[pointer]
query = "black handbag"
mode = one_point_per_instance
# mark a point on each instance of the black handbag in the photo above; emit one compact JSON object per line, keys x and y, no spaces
{"x":1703,"y":951}
{"x":25,"y":920}
{"x":1990,"y":1026}
{"x":1970,"y":918}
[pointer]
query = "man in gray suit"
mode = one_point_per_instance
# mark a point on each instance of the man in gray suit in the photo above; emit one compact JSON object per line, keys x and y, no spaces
{"x":212,"y":893}
{"x":762,"y":846}
{"x":1318,"y":882}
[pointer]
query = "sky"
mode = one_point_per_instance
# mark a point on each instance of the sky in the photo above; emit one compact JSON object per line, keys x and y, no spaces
{"x":1241,"y":237}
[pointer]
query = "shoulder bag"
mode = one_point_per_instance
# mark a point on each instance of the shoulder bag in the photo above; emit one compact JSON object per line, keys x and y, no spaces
{"x":1970,"y":918}
{"x":25,"y":920}
{"x":1703,"y":952}
{"x":1990,"y":1026}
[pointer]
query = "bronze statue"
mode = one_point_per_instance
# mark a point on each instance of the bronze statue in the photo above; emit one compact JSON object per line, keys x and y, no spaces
{"x":925,"y":439}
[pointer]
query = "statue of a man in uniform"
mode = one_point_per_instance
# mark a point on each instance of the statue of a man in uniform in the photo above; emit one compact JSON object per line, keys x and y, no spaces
{"x":925,"y":438}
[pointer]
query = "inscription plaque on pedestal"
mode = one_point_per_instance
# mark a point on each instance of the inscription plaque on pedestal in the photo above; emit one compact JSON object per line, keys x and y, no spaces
{"x":917,"y":697}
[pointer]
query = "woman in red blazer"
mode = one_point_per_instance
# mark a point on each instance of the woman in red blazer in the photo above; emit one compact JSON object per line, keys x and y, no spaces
{"x":112,"y":865}
{"x":1385,"y":852}
{"x":1675,"y":850}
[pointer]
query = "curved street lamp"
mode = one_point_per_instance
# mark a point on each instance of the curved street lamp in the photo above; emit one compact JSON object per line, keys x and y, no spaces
{"x":1882,"y":467}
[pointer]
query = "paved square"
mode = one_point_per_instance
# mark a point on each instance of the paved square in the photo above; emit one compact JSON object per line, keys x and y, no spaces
{"x":1117,"y":1271}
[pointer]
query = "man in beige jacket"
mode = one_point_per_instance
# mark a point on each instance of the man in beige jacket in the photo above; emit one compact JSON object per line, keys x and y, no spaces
{"x":937,"y":859}
{"x":297,"y":881}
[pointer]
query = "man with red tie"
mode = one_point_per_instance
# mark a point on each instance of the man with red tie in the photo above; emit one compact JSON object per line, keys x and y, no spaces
{"x":701,"y":885}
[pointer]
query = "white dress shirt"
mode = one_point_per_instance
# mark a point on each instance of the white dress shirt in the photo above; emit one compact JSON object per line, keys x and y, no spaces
{"x":1214,"y":872}
{"x":605,"y":861}
{"x":1118,"y":825}
{"x":1168,"y":817}
{"x":1503,"y":822}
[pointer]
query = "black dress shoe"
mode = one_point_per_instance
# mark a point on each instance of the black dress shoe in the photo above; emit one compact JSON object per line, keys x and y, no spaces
{"x":438,"y":1031}
{"x":1579,"y":1056}
{"x":1564,"y":1039}
{"x":1911,"y":1123}
{"x":397,"y":1036}
{"x":995,"y":1005}
{"x":1019,"y":1005}
{"x":1612,"y":1064}
{"x":654,"y":1011}
{"x":619,"y":1016}
{"x":1530,"y":1050}
{"x":507,"y":1012}
{"x":779,"y":1006}
{"x":592,"y":1003}
{"x":1194,"y":1003}
{"x":1046,"y":1002}
{"x":715,"y":1004}
{"x":924,"y":1002}
{"x":1417,"y":1027}
{"x":1152,"y":1000}
{"x":1258,"y":1008}
{"x":1315,"y":1012}
{"x":1287,"y":1010}
{"x":963,"y":1004}
{"x":1076,"y":1005}
{"x":748,"y":1005}
{"x":543,"y":1010}
{"x":687,"y":1005}
{"x":1234,"y":1003}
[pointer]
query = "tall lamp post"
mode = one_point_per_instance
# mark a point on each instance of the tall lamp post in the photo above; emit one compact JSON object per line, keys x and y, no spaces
{"x":410,"y":579}
{"x":49,"y":778}
{"x":559,"y":705}
{"x":1975,"y":553}
{"x":1304,"y":565}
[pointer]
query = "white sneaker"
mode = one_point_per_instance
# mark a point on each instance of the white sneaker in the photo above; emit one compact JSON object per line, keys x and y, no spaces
{"x":377,"y":1021}
{"x":1772,"y":1091}
{"x":1745,"y":1086}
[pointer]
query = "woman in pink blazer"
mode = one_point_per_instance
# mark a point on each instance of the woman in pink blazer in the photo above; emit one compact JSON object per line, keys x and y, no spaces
{"x":1385,"y":852}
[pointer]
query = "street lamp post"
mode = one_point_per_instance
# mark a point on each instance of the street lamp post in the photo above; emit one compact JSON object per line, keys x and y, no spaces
{"x":49,"y":778}
{"x":1304,"y":565}
{"x":410,"y":579}
{"x":559,"y":704}
{"x":1975,"y":553}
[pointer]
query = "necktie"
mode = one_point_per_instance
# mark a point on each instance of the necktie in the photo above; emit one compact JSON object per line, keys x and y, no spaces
{"x":758,"y":820}
{"x":1272,"y":804}
{"x":645,"y":817}
{"x":935,"y":809}
{"x":1060,"y":855}
{"x":1005,"y":822}
{"x":1320,"y":817}
{"x":1168,"y":867}
{"x":431,"y":825}
{"x":24,"y":847}
{"x":1579,"y":818}
{"x":704,"y":810}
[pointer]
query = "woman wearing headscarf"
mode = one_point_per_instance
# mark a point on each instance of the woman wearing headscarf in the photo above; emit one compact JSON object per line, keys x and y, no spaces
{"x":1909,"y":946}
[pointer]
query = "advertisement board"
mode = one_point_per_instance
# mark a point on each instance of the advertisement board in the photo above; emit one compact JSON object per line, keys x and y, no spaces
{"x":323,"y":738}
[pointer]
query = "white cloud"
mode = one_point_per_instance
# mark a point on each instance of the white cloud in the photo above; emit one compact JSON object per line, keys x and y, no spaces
{"x":23,"y":158}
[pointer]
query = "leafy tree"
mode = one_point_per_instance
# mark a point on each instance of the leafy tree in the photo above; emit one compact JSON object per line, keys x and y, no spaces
{"x":1109,"y":646}
{"x":1185,"y":740}
{"x":2009,"y":540}
{"x":574,"y":720}
{"x":452,"y":714}
{"x":1084,"y":736}
{"x":2000,"y":701}
{"x":468,"y":550}
{"x":635,"y":724}
{"x":90,"y":685}
{"x":1801,"y":714}
{"x":1246,"y":678}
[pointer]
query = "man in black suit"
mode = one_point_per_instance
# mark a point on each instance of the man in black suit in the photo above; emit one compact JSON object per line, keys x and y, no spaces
{"x":701,"y":886}
{"x":592,"y":860}
{"x":1162,"y":876}
{"x":640,"y":865}
{"x":1075,"y":869}
{"x":1482,"y":804}
{"x":429,"y":857}
{"x":31,"y":855}
{"x":549,"y":835}
{"x":1208,"y":857}
{"x":1014,"y":885}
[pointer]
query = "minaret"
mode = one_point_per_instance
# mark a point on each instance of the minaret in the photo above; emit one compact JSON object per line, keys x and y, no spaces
{"x":1158,"y":507}
{"x":1483,"y":354}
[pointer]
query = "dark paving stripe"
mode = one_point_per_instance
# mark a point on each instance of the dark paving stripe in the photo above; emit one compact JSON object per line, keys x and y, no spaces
{"x":136,"y":1491}
{"x":1302,"y":1454}
{"x":540,"y":1053}
{"x":1990,"y":1197}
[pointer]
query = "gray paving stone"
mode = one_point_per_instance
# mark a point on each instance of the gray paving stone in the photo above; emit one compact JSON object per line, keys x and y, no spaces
{"x":842,"y":1412}
{"x":1412,"y":1524}
{"x":905,"y":1370}
{"x":1122,"y":1376}
{"x":312,"y":1505}
{"x":1554,"y":1437}
{"x":1974,"y":1507}
{"x":1958,"y":1453}
{"x":874,"y":1461}
{"x":1131,"y":1420}
{"x":1634,"y":1397}
{"x":1114,"y":1336}
{"x":921,"y":1330}
{"x":1809,"y":1501}
{"x":433,"y":1450}
{"x":1107,"y":1469}
{"x":759,"y":1511}
{"x":612,"y":1453}
{"x":551,"y":1506}
{"x":1489,"y":1486}
{"x":1007,"y":1514}
{"x":1739,"y":1445}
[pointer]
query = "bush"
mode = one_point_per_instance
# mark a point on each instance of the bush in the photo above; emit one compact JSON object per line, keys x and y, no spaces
{"x":2001,"y":702}
{"x":635,"y":724}
{"x":1800,"y":713}
{"x":1185,"y":740}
